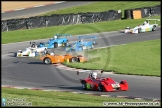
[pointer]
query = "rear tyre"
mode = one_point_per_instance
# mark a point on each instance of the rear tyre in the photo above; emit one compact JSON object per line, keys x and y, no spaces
{"x":100,"y":87}
{"x":74,"y":59}
{"x":55,"y":45}
{"x":84,"y":85}
{"x":154,"y":28}
{"x":47,"y":61}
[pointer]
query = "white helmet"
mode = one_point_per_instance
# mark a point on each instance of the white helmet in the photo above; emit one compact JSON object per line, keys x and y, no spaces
{"x":82,"y":40}
{"x":94,"y":75}
{"x":55,"y":37}
{"x":128,"y":28}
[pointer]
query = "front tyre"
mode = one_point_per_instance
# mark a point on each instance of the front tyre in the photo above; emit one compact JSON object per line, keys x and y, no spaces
{"x":47,"y":61}
{"x":154,"y":28}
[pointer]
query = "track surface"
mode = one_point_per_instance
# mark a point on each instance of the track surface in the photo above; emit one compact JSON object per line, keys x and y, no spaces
{"x":43,"y":9}
{"x":31,"y":72}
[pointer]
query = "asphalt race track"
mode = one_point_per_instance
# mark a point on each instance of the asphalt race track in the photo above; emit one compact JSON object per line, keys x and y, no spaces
{"x":31,"y":72}
{"x":43,"y":9}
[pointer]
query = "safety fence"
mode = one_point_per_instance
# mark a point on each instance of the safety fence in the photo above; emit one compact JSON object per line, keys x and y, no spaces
{"x":80,"y":18}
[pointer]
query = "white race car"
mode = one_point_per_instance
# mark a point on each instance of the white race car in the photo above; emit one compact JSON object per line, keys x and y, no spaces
{"x":143,"y":28}
{"x":32,"y":51}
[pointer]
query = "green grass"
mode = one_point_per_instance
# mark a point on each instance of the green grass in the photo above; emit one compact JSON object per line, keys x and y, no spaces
{"x":42,"y":33}
{"x":138,"y":58}
{"x":50,"y":98}
{"x":105,"y":6}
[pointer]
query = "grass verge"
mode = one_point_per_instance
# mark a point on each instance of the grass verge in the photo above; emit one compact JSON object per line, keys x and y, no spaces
{"x":138,"y":58}
{"x":105,"y":6}
{"x":50,"y":98}
{"x":48,"y":32}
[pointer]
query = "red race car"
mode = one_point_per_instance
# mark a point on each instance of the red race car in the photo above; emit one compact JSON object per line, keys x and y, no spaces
{"x":102,"y":84}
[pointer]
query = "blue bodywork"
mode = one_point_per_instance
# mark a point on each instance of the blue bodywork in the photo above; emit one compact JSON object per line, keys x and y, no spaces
{"x":81,"y":44}
{"x":54,"y":43}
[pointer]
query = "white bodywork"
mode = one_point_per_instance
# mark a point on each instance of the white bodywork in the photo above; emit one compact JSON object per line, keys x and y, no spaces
{"x":30,"y":51}
{"x":142,"y":28}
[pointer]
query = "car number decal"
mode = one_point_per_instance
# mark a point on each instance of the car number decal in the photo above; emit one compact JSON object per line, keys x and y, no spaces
{"x":115,"y":85}
{"x":88,"y":86}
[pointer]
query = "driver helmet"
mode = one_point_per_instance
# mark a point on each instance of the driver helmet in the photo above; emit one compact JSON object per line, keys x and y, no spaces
{"x":52,"y":54}
{"x":82,"y":40}
{"x":128,"y":28}
{"x":55,"y":37}
{"x":145,"y":23}
{"x":94,"y":75}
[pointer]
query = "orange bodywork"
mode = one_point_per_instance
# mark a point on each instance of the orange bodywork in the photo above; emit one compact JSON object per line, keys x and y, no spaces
{"x":62,"y":58}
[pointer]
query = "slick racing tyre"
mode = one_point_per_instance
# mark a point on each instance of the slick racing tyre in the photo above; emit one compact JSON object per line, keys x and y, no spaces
{"x":154,"y":28}
{"x":74,"y":59}
{"x":139,"y":30}
{"x":100,"y":87}
{"x":55,"y":45}
{"x":84,"y":85}
{"x":47,"y":60}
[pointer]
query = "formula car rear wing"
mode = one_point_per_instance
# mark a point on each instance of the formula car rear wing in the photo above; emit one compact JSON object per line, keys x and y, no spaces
{"x":87,"y":37}
{"x":152,"y":20}
{"x":62,"y":35}
{"x":89,"y":71}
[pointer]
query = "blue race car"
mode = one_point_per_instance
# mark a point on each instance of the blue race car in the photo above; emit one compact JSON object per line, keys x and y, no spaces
{"x":58,"y":40}
{"x":81,"y":44}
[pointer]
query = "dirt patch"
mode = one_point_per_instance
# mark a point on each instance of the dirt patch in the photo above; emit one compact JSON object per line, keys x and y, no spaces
{"x":6,"y":5}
